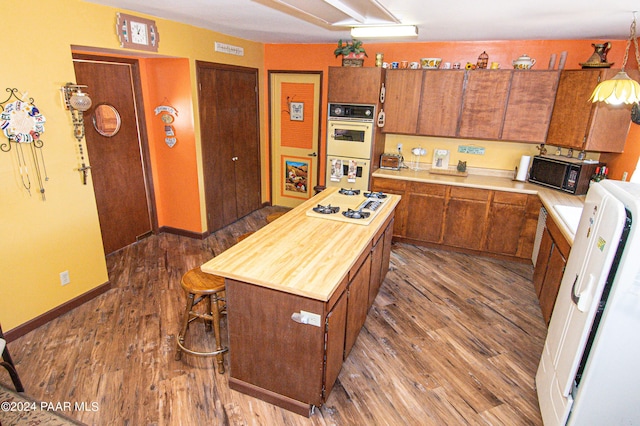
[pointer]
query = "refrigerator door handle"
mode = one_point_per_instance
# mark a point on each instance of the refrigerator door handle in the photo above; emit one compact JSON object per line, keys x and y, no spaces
{"x":582,"y":300}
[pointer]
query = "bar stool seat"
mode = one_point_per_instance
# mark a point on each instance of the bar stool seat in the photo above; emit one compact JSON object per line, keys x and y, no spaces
{"x":200,"y":286}
{"x":274,"y":216}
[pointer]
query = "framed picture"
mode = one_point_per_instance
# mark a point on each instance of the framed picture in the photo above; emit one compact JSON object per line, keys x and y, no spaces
{"x":440,"y":159}
{"x":297,"y":111}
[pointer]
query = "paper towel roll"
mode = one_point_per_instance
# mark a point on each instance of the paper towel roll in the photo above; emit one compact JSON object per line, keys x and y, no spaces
{"x":523,"y":168}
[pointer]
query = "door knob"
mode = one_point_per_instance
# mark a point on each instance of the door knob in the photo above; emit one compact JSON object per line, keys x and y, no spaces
{"x":313,"y":154}
{"x":234,"y":158}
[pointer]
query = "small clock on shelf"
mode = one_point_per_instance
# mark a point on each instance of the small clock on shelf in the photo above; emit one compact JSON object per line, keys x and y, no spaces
{"x":137,"y":33}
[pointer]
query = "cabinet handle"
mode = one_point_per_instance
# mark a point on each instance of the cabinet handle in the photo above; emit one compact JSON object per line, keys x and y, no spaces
{"x":234,"y":158}
{"x":313,"y":154}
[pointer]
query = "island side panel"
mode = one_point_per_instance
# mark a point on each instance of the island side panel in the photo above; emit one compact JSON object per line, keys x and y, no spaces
{"x":268,"y":349}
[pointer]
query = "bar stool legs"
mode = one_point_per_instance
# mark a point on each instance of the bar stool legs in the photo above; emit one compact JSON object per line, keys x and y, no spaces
{"x":202,"y":287}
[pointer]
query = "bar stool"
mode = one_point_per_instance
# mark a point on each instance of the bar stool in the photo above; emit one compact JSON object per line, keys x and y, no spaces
{"x":200,"y":286}
{"x":7,"y":363}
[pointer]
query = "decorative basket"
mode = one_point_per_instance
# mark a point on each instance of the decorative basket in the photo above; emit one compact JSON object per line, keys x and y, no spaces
{"x":352,"y":62}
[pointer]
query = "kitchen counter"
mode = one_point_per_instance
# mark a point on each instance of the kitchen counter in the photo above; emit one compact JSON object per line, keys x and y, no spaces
{"x":549,"y":197}
{"x":298,"y":254}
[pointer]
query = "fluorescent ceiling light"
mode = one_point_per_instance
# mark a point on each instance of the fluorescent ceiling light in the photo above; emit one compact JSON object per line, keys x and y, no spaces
{"x":379,"y":31}
{"x":338,"y":13}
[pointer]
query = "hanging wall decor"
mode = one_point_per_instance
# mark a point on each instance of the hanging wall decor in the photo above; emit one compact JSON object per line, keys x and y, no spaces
{"x":168,"y":117}
{"x":22,"y":124}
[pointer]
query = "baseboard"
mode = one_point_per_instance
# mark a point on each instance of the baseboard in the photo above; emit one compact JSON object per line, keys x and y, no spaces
{"x":183,"y":232}
{"x":54,"y":313}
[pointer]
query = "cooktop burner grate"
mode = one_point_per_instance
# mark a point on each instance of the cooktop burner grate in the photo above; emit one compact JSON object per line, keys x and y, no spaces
{"x":326,"y":209}
{"x":355,"y":214}
{"x":345,"y":191}
{"x":376,"y":195}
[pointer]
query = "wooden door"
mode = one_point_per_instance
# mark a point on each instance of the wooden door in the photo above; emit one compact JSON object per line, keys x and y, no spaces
{"x":484,"y":103}
{"x":441,"y":101}
{"x":402,"y":101}
{"x":531,"y":98}
{"x":295,"y":136}
{"x":228,"y":98}
{"x":118,"y":172}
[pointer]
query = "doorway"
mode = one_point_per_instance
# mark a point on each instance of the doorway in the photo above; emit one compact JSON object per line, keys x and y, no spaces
{"x":295,"y":135}
{"x":119,"y":159}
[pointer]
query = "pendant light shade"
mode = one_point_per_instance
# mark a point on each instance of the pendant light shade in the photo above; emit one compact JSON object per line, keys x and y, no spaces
{"x":621,"y":89}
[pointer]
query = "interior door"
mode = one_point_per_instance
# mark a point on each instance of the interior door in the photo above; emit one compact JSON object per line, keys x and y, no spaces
{"x":295,"y":136}
{"x":117,"y":167}
{"x":229,"y":121}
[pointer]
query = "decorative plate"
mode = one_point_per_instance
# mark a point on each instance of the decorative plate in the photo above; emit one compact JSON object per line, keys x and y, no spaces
{"x":21,"y":122}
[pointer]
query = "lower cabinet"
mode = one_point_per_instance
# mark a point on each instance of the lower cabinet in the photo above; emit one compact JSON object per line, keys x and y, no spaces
{"x":481,"y":221}
{"x":549,"y":268}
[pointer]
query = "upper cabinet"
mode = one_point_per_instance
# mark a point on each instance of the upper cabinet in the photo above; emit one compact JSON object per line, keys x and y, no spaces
{"x":531,"y":99}
{"x":579,"y":124}
{"x":355,"y":85}
{"x":440,"y":102}
{"x":533,"y":106}
{"x":402,"y":101}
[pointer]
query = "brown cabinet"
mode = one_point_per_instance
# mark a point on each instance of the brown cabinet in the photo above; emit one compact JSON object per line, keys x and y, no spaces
{"x":402,"y":101}
{"x":549,"y":268}
{"x":355,"y":85}
{"x":440,"y":102}
{"x":426,"y":202}
{"x":579,"y":124}
{"x":380,"y":256}
{"x":357,"y":302}
{"x":465,"y":217}
{"x":531,"y":98}
{"x":481,"y":221}
{"x":484,"y":104}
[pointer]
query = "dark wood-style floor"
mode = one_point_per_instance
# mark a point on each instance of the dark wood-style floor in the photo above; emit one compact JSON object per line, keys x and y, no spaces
{"x":450,"y":339}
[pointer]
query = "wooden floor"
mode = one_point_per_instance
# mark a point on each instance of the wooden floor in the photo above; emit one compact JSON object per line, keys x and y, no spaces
{"x":450,"y":339}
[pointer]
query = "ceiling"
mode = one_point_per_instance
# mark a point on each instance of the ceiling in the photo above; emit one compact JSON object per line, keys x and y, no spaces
{"x":269,"y":21}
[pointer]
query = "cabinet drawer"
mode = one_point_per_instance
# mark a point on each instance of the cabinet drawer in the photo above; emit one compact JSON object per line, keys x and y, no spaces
{"x":470,"y":193}
{"x":428,"y":189}
{"x":503,"y":197}
{"x":380,"y":184}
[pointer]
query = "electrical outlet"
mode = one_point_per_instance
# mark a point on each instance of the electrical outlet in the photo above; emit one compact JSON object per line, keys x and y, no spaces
{"x":64,"y":278}
{"x":624,"y":176}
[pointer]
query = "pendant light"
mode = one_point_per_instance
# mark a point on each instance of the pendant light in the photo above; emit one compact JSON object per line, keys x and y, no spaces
{"x":621,"y":89}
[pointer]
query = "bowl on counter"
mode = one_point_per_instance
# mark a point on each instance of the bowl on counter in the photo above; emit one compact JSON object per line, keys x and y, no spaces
{"x":430,"y":63}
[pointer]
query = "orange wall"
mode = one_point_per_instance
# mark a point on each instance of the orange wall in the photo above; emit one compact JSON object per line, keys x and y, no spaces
{"x":318,"y":57}
{"x":175,"y":176}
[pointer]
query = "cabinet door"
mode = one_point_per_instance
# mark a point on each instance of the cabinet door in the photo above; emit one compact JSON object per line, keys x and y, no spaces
{"x":506,"y":220}
{"x":335,"y":327}
{"x":356,"y":85}
{"x":402,"y":100}
{"x":484,"y":103}
{"x":357,"y":304}
{"x":528,"y":234}
{"x":394,"y":186}
{"x":386,"y":253}
{"x":426,"y":203}
{"x":572,"y":108}
{"x":375,"y":278}
{"x":551,"y":284}
{"x":544,"y":253}
{"x":440,"y":102}
{"x":465,"y":218}
{"x":530,"y":104}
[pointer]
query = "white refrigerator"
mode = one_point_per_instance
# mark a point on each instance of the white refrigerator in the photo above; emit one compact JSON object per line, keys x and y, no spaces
{"x":589,"y":373}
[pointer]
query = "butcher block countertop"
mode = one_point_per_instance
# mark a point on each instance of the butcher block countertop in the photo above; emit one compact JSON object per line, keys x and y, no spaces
{"x":549,"y":197}
{"x":299,"y":254}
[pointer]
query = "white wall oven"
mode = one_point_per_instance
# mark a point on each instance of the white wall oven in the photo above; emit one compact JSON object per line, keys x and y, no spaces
{"x":350,"y":131}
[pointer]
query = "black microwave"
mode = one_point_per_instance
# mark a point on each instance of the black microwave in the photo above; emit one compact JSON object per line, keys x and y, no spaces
{"x":566,"y":174}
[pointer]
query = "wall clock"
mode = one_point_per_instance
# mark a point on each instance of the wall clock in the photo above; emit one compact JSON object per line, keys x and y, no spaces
{"x":137,"y":33}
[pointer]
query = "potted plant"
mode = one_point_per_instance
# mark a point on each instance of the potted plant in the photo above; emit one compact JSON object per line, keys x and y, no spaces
{"x":352,"y":52}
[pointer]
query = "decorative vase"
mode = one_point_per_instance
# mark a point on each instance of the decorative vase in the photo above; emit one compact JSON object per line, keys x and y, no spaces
{"x":353,"y":60}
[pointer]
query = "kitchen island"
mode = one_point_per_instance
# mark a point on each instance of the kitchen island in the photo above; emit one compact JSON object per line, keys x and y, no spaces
{"x":298,"y":291}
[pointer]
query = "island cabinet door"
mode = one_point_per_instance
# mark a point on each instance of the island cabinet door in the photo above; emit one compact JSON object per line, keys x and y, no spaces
{"x":272,"y":356}
{"x":335,"y":329}
{"x":357,"y":304}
